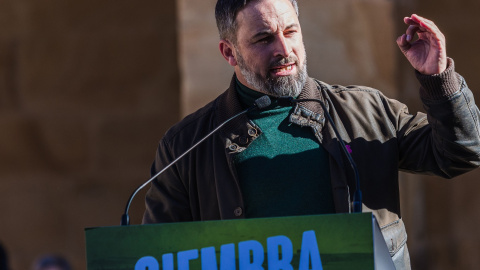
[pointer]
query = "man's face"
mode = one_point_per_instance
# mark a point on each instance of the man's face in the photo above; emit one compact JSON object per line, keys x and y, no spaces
{"x":269,"y":51}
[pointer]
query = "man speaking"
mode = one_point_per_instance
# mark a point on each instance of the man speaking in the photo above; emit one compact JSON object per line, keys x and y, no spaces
{"x":289,"y":160}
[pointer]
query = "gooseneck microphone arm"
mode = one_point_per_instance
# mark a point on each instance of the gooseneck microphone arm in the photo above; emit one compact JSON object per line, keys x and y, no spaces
{"x":357,"y":196}
{"x":259,"y":104}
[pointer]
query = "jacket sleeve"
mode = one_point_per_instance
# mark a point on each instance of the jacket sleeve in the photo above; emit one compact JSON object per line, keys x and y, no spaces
{"x":446,"y":141}
{"x":167,"y":199}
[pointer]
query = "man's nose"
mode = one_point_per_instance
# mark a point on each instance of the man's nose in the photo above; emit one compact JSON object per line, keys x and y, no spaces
{"x":282,"y":48}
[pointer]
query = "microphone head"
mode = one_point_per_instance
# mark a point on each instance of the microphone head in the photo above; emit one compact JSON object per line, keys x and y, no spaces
{"x":263,"y":102}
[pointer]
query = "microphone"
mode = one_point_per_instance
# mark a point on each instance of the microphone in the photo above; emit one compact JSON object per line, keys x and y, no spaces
{"x":357,"y":196}
{"x":259,"y":104}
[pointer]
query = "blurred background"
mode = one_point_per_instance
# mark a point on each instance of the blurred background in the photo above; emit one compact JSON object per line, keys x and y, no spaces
{"x":88,"y":88}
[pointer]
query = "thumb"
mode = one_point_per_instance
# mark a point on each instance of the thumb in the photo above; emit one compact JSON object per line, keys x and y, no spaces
{"x":403,"y":44}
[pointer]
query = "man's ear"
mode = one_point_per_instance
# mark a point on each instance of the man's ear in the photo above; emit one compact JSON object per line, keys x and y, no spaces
{"x":228,"y":51}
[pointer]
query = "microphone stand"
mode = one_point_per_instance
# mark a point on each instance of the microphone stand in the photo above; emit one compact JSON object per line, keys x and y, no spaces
{"x":260,"y":103}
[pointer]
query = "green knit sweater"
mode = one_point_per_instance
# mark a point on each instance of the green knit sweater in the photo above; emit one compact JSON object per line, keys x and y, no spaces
{"x":284,"y":171}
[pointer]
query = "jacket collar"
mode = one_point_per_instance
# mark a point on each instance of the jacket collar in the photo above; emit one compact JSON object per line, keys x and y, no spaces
{"x":305,"y":113}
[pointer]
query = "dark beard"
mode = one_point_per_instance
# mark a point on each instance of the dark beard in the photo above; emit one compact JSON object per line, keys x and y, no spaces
{"x":280,"y":86}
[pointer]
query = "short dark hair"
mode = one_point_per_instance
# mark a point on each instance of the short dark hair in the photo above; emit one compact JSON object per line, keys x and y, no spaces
{"x":226,"y":14}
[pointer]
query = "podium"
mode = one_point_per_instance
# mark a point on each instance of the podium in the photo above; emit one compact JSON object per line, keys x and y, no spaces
{"x":329,"y":242}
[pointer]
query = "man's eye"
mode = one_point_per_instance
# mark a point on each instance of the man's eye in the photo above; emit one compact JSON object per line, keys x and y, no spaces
{"x":290,"y":33}
{"x":264,"y":40}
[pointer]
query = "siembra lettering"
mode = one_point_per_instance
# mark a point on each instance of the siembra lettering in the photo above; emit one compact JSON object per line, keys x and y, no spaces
{"x":251,"y":256}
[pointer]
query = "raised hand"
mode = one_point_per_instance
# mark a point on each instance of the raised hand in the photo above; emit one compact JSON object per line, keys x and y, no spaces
{"x":428,"y":53}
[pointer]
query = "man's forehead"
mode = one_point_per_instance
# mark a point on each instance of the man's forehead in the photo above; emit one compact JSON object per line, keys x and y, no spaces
{"x":268,"y":13}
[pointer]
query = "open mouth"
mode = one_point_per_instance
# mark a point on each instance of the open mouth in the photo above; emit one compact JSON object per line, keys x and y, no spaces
{"x":284,"y":70}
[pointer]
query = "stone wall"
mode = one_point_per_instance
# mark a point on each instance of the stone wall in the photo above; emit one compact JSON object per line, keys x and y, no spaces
{"x":87,"y":89}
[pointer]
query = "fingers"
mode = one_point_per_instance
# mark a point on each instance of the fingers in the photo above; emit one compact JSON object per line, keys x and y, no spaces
{"x":427,"y":54}
{"x":418,"y":24}
{"x":424,"y":23}
{"x":410,"y":33}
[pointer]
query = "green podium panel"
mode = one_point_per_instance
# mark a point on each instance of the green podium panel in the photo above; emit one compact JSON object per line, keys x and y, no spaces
{"x":330,"y":242}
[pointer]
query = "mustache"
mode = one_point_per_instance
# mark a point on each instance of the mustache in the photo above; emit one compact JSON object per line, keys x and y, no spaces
{"x":283,"y":61}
